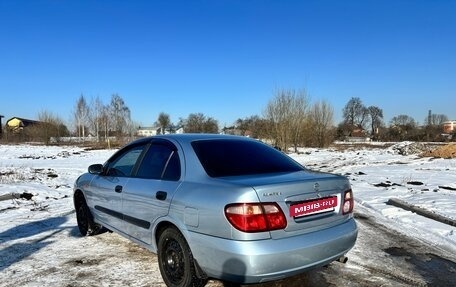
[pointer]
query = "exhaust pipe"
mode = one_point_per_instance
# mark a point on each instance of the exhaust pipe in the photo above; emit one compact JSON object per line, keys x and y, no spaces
{"x":343,"y":259}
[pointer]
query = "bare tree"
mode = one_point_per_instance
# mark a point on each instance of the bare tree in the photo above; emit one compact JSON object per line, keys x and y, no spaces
{"x":433,"y":128}
{"x":199,"y":123}
{"x":164,"y":122}
{"x":120,"y":114}
{"x":96,"y":116}
{"x":376,"y":119}
{"x":287,"y":114}
{"x":253,"y":126}
{"x":355,"y":113}
{"x":49,"y":127}
{"x":403,"y":120}
{"x":436,"y":119}
{"x":322,"y":121}
{"x":81,"y":115}
{"x":402,"y":127}
{"x":105,"y":121}
{"x":132,"y":128}
{"x":299,"y":118}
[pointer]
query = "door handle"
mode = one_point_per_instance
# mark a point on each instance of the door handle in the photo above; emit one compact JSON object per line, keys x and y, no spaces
{"x":161,"y":195}
{"x":118,"y":188}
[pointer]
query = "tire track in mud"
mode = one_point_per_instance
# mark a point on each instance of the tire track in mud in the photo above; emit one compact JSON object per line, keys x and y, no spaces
{"x":404,"y":258}
{"x":394,"y":275}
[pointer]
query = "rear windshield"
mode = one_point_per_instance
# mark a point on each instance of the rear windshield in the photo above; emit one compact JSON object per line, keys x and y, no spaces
{"x":223,"y":157}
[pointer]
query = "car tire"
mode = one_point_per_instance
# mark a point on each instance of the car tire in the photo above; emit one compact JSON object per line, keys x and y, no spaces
{"x":175,"y":260}
{"x":86,"y":225}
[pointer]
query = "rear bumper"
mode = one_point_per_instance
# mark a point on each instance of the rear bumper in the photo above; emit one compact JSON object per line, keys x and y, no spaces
{"x":266,"y":260}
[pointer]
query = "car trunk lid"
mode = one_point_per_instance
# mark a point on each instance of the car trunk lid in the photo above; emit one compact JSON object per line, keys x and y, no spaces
{"x":310,"y":200}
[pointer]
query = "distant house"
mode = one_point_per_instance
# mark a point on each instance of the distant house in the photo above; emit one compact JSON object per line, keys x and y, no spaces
{"x":17,"y":125}
{"x":357,"y":134}
{"x":152,"y":131}
{"x":147,"y":131}
{"x":449,"y":127}
{"x":231,"y":131}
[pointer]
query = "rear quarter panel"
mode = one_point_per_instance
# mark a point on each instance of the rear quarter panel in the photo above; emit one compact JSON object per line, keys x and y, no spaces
{"x":200,"y":206}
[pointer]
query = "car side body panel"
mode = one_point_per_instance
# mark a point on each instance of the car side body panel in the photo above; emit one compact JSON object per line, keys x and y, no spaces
{"x":143,"y":202}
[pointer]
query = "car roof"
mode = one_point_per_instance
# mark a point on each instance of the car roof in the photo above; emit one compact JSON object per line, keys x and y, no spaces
{"x":188,"y":138}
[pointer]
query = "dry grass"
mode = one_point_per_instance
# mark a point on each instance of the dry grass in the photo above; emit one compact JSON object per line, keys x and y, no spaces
{"x":446,"y":151}
{"x":11,"y":175}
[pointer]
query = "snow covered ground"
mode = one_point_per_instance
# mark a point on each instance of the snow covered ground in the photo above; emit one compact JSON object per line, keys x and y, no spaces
{"x":36,"y":193}
{"x":379,"y":174}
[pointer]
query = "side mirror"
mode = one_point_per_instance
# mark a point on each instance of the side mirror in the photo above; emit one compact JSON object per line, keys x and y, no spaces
{"x":96,"y":169}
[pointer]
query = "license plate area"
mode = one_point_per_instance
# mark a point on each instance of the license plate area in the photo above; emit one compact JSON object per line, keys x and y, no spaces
{"x":313,"y":206}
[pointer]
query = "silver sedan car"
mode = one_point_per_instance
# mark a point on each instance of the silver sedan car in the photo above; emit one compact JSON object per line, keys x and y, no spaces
{"x":217,"y":206}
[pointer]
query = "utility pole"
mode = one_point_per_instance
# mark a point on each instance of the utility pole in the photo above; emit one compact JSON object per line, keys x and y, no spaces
{"x":428,"y":128}
{"x":1,"y":127}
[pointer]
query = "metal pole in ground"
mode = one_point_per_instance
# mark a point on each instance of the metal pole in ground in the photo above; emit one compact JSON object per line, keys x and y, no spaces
{"x":1,"y":127}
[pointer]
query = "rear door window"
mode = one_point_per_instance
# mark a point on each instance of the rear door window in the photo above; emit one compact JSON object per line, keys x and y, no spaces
{"x":160,"y":162}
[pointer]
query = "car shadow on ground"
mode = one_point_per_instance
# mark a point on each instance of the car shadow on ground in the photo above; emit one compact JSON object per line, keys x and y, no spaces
{"x":310,"y":278}
{"x":33,"y":228}
{"x":31,"y":237}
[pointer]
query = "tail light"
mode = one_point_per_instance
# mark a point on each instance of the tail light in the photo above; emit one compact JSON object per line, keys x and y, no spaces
{"x":255,"y":217}
{"x":348,"y":202}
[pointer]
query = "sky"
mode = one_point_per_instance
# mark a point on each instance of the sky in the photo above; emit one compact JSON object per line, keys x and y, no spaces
{"x":226,"y":59}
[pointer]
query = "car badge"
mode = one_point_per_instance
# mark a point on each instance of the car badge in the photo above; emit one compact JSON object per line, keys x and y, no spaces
{"x":266,"y":194}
